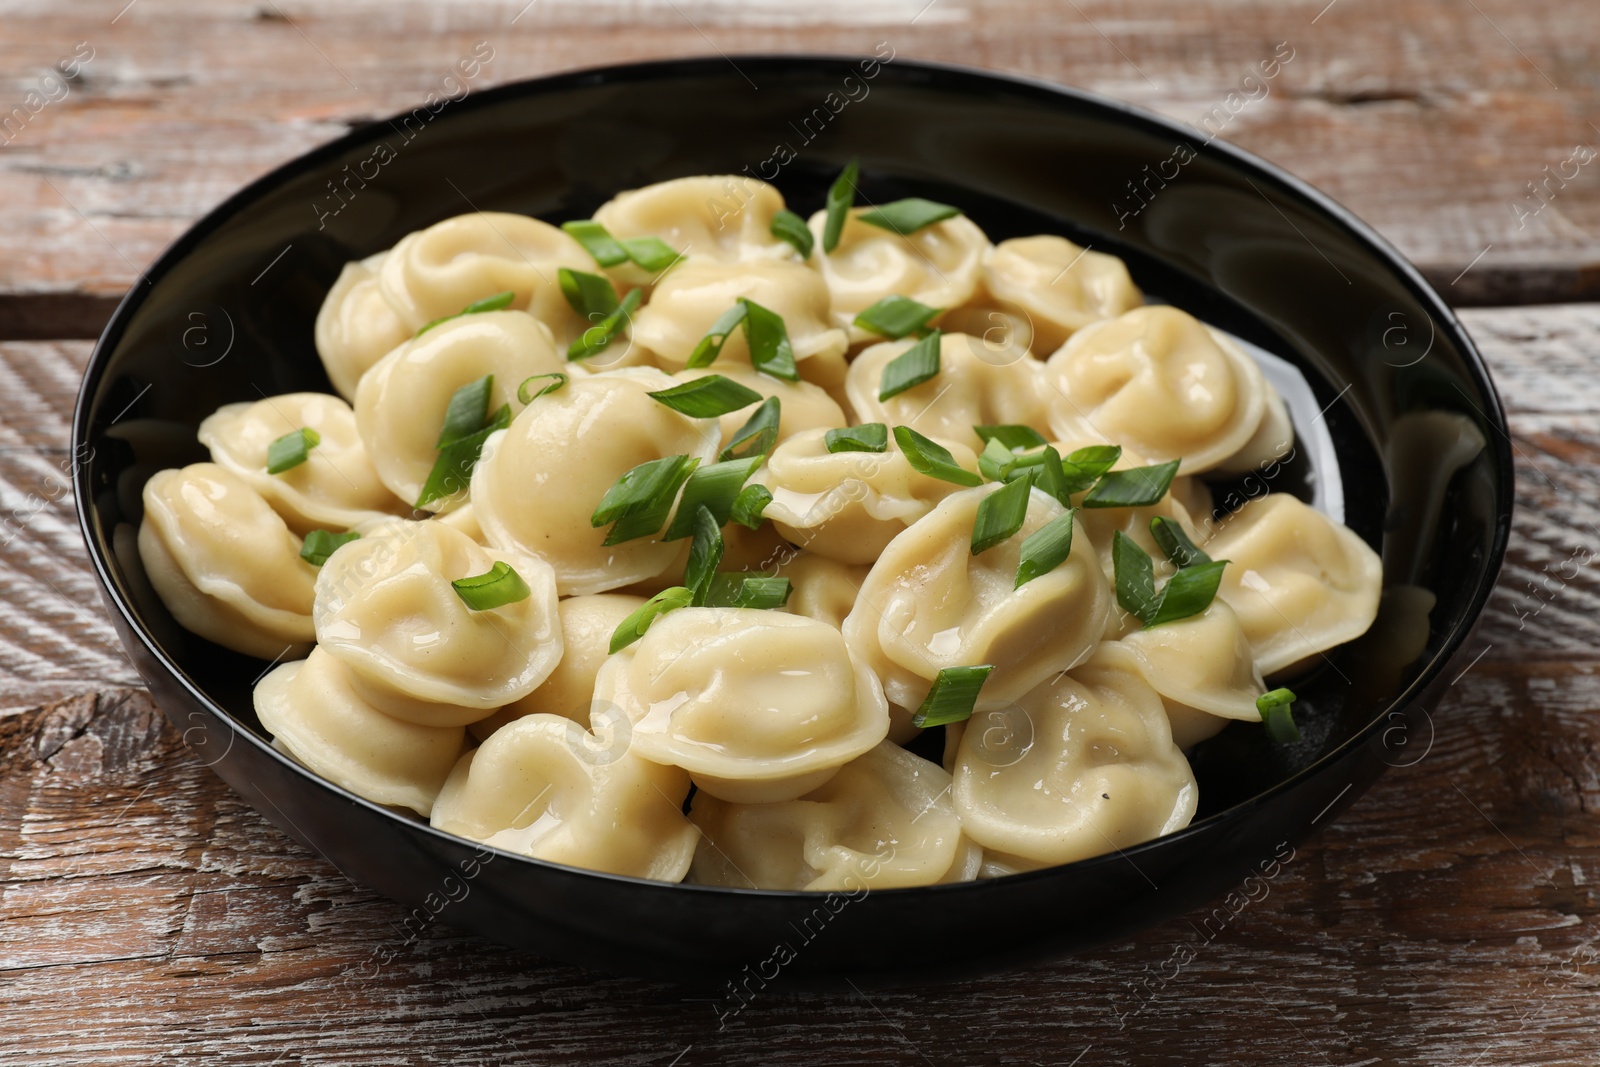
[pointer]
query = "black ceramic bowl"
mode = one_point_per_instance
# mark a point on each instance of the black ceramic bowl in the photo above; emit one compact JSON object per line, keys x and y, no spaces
{"x":226,"y":315}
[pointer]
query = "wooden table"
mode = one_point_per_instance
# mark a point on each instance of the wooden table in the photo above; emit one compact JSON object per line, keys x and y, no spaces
{"x":1449,"y":918}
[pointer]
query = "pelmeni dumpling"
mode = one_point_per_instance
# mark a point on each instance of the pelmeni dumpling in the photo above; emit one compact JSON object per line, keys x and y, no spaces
{"x":587,"y":623}
{"x":385,"y":609}
{"x":758,"y":706}
{"x":440,"y":270}
{"x":1058,"y":286}
{"x":545,"y":787}
{"x":687,"y":302}
{"x":849,"y":505}
{"x":401,"y":404}
{"x":1299,"y":582}
{"x":224,"y":563}
{"x":968,"y":391}
{"x":939,"y":265}
{"x":335,"y":488}
{"x":929,"y":603}
{"x":312,"y":709}
{"x":997,"y":333}
{"x":539,"y":482}
{"x":884,"y":821}
{"x":823,"y":589}
{"x":1160,"y":382}
{"x":356,"y":325}
{"x":1203,"y":668}
{"x":1101,"y":774}
{"x":721,"y":217}
{"x":801,"y":405}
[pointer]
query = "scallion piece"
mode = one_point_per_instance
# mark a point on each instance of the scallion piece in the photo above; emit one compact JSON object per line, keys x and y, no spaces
{"x":740,"y":590}
{"x":468,"y":407}
{"x":714,"y":485}
{"x":597,"y":241}
{"x":1137,"y":487}
{"x":1188,"y":592}
{"x":749,"y":506}
{"x":705,"y":554}
{"x":787,"y":226}
{"x":598,"y":336}
{"x":896,"y":316}
{"x":759,"y":433}
{"x":557,"y":380}
{"x":1135,"y":576}
{"x":651,"y":253}
{"x":906,"y":217}
{"x":929,"y":457}
{"x":1084,"y":467}
{"x":638,"y":503}
{"x":634,"y":626}
{"x":710,"y":397}
{"x":590,"y":295}
{"x":867,"y":437}
{"x":1000,"y":515}
{"x":841,"y":195}
{"x":320,"y":544}
{"x":710,"y":346}
{"x":1175,"y":543}
{"x":1049,"y":477}
{"x":452,"y":471}
{"x":1277,"y":711}
{"x":292,"y":449}
{"x":768,"y":337}
{"x":488,"y":303}
{"x":1046,"y":548}
{"x":996,"y":461}
{"x":1011,"y":436}
{"x":910,"y":368}
{"x":952,"y":696}
{"x":495,"y":588}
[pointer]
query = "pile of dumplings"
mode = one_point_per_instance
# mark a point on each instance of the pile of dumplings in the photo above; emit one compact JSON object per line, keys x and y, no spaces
{"x":739,"y":746}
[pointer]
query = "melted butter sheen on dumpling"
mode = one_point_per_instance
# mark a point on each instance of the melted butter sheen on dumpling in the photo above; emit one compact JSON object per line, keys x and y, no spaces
{"x":224,"y":563}
{"x":356,"y":325}
{"x":1102,"y":772}
{"x":758,"y":706}
{"x":545,"y":787}
{"x":538,"y":483}
{"x":385,"y":608}
{"x":928,"y":603}
{"x":884,"y":821}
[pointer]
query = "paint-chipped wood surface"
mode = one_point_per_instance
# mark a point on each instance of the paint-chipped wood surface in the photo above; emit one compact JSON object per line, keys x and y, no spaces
{"x":1463,"y":129}
{"x":1449,"y":918}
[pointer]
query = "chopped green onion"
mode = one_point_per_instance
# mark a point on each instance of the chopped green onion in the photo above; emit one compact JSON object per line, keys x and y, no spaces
{"x":292,"y":449}
{"x":598,"y":336}
{"x":770,"y":352}
{"x":1000,"y":515}
{"x":1135,"y":576}
{"x":453,"y":469}
{"x":910,"y":368}
{"x":868,"y":437}
{"x":1277,"y":711}
{"x":952,"y":696}
{"x":1175,"y":543}
{"x":787,"y":226}
{"x":705,"y":554}
{"x":996,"y":461}
{"x":590,"y":295}
{"x":896,"y":316}
{"x":639,"y":502}
{"x":1046,"y":548}
{"x":557,"y":381}
{"x":1050,"y":479}
{"x":1137,"y":487}
{"x":740,"y":590}
{"x":710,"y":397}
{"x":929,"y":457}
{"x":715,"y":485}
{"x":320,"y":544}
{"x":495,"y":588}
{"x":841,"y":195}
{"x":749,"y":505}
{"x":1011,"y":436}
{"x":710,"y":346}
{"x":1083,"y":468}
{"x":634,"y":626}
{"x":488,"y":303}
{"x":468,"y":407}
{"x":597,"y":241}
{"x":759,"y":433}
{"x":1188,"y":592}
{"x":906,"y":217}
{"x":651,"y":253}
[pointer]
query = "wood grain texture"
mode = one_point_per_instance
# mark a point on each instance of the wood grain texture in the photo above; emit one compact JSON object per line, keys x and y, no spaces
{"x":1430,"y":118}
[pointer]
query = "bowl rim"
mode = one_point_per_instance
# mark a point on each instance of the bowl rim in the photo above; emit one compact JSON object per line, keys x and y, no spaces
{"x":947,"y":75}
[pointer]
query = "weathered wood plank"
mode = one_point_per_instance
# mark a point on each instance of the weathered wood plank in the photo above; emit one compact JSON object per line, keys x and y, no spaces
{"x":1431,"y":119}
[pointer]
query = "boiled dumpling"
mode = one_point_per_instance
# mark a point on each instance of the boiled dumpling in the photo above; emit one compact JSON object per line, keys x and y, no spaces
{"x":1059,"y":286}
{"x":1203,"y":669}
{"x":311,"y":708}
{"x":336,"y":488}
{"x":726,"y":218}
{"x":823,"y":589}
{"x":545,"y":787}
{"x":539,"y":482}
{"x":929,"y":603}
{"x":386,"y":609}
{"x":356,"y":325}
{"x":884,"y":821}
{"x":758,"y":706}
{"x":224,"y":563}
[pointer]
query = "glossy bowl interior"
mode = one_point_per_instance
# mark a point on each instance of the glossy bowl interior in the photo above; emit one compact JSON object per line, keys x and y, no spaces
{"x":1417,"y":433}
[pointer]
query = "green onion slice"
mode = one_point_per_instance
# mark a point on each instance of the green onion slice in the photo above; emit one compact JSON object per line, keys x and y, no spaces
{"x":557,"y":380}
{"x":710,"y":397}
{"x":639,"y":502}
{"x":787,"y":226}
{"x":1277,"y":711}
{"x":906,"y":217}
{"x":910,"y":368}
{"x":1137,"y":487}
{"x":867,"y":437}
{"x":453,"y":469}
{"x":488,"y":303}
{"x":996,"y":462}
{"x":841,"y":195}
{"x":1050,"y":477}
{"x":740,"y":590}
{"x":710,"y":346}
{"x":953,"y":695}
{"x":896,"y":316}
{"x":716,"y":486}
{"x":590,"y":295}
{"x":749,"y":506}
{"x":1175,"y":543}
{"x":468,"y":407}
{"x":1011,"y":436}
{"x":597,"y":241}
{"x":1000,"y":515}
{"x":320,"y":544}
{"x":1046,"y":548}
{"x":759,"y":433}
{"x":770,"y":351}
{"x":1135,"y":576}
{"x":1189,"y":592}
{"x":1084,"y":467}
{"x":651,"y":253}
{"x":598,"y":336}
{"x":495,"y":588}
{"x":929,"y":457}
{"x":292,"y":449}
{"x":705,"y":554}
{"x":634,"y":626}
